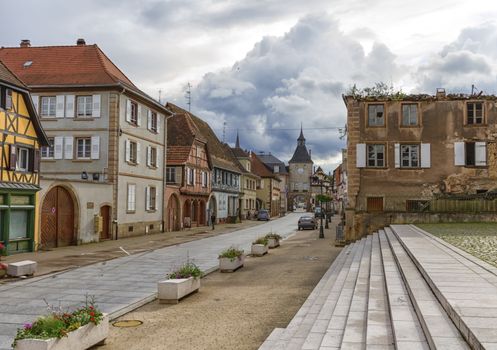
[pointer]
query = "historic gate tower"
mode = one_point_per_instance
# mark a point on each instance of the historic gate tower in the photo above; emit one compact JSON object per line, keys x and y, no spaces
{"x":299,"y":190}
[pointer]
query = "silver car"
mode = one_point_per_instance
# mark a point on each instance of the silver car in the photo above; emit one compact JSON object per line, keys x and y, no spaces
{"x":307,"y":221}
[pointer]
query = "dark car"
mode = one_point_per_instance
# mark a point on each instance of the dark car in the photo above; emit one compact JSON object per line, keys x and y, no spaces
{"x":307,"y":221}
{"x":263,"y":215}
{"x":318,"y":212}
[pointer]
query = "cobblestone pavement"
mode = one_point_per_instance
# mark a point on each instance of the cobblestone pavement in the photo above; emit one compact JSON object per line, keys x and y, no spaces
{"x":121,"y":284}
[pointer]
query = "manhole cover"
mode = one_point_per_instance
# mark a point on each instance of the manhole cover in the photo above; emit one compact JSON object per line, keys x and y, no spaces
{"x":127,"y":323}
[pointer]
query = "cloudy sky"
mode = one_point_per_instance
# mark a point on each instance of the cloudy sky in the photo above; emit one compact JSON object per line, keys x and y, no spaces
{"x":263,"y":67}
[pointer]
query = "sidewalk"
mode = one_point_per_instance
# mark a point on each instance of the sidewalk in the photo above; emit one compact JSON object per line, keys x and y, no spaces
{"x":65,"y":258}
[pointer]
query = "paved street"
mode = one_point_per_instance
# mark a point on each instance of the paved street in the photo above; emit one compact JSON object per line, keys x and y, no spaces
{"x":122,"y":284}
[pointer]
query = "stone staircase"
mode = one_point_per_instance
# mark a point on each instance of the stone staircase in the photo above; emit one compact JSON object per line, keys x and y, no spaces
{"x":400,"y":288}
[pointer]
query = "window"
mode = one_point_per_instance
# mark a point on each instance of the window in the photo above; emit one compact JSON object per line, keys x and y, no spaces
{"x":131,"y":197}
{"x":134,"y":113}
{"x":190,"y":176}
{"x":133,"y":152}
{"x":470,"y":153}
{"x":48,"y":105}
{"x":205,"y":179}
{"x":151,"y":194}
{"x":171,"y":175}
{"x":376,"y":155}
{"x":417,"y":205}
{"x":84,"y":148}
{"x":276,"y":169}
{"x":47,"y":152}
{"x":409,"y":114}
{"x":153,"y":121}
{"x":153,"y":157}
{"x":374,"y":204}
{"x":84,"y":106}
{"x":8,"y":99}
{"x":376,"y":115}
{"x":474,"y":113}
{"x":409,"y":156}
{"x":22,"y":163}
{"x":18,"y":224}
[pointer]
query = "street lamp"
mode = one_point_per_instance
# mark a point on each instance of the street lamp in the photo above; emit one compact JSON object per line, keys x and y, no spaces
{"x":321,"y":228}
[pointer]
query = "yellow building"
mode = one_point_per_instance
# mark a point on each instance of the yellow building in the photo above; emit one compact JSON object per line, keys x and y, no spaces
{"x":21,"y":138}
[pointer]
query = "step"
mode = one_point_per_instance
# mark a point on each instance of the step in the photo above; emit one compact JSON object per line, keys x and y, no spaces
{"x":378,"y":329}
{"x":319,"y":293}
{"x":439,"y":330}
{"x":322,"y":314}
{"x":468,"y":297}
{"x":407,"y":331}
{"x":324,"y":326}
{"x":354,"y":335}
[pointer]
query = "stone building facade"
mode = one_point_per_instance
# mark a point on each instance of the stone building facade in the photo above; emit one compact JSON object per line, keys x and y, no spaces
{"x":407,"y":156}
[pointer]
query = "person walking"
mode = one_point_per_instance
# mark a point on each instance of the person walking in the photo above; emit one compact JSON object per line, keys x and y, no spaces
{"x":213,"y":220}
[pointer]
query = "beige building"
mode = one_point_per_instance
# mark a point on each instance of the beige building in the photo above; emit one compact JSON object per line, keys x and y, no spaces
{"x":279,"y":169}
{"x":103,"y":175}
{"x":268,"y":188}
{"x":420,"y":158}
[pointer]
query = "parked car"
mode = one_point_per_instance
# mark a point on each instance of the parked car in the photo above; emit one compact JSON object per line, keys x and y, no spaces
{"x":318,"y":212}
{"x":263,"y":215}
{"x":307,"y":221}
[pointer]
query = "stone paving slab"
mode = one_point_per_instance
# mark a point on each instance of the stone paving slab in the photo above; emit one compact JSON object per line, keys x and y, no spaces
{"x":137,"y":274}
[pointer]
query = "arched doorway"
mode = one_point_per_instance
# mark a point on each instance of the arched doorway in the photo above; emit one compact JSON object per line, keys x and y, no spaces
{"x":187,"y":218}
{"x":105,"y":214}
{"x":212,"y":209}
{"x":57,"y":219}
{"x":194,"y":213}
{"x":201,"y":214}
{"x":173,"y":222}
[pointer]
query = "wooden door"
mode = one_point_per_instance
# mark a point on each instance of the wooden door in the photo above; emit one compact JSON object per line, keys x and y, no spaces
{"x":105,"y":214}
{"x":57,"y":219}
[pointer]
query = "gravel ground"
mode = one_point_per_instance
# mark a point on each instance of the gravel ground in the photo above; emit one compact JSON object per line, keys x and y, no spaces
{"x":478,"y":239}
{"x":234,"y":310}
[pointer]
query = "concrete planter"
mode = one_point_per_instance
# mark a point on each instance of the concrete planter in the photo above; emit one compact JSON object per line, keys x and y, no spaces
{"x":273,"y":242}
{"x":259,"y":249}
{"x":80,"y":339}
{"x":172,"y":290}
{"x":22,"y":268}
{"x":3,"y":273}
{"x":227,"y":265}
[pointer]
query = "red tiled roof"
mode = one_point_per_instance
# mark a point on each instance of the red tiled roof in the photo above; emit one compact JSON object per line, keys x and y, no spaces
{"x":62,"y":65}
{"x":7,"y":76}
{"x":177,"y":154}
{"x":259,"y":168}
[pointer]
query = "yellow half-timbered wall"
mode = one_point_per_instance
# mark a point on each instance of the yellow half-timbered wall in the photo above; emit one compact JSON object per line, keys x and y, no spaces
{"x":17,"y":130}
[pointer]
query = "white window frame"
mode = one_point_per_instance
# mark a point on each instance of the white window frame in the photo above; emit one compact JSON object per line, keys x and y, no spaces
{"x":474,"y":115}
{"x":410,"y":150}
{"x":131,"y":198}
{"x":154,"y":121}
{"x":151,"y":199}
{"x":410,"y":117}
{"x":87,"y":106}
{"x":50,"y":104}
{"x":373,"y":114}
{"x":22,"y":154}
{"x":86,"y":147}
{"x":372,"y":155}
{"x":48,"y":152}
{"x":170,"y":175}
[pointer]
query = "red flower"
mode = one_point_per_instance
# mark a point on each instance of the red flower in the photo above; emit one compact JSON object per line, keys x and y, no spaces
{"x":92,"y":314}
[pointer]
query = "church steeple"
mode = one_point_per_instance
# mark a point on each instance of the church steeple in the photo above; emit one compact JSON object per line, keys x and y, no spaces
{"x":301,"y":139}
{"x":237,"y":143}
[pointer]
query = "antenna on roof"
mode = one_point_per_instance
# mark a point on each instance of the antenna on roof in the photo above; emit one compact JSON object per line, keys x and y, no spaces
{"x":160,"y":93}
{"x":188,"y":96}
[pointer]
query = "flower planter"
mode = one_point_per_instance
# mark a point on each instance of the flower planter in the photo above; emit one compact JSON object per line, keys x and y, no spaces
{"x":273,"y":242}
{"x":80,"y":339}
{"x":228,"y":265}
{"x":172,"y":290}
{"x":259,"y":249}
{"x":3,"y":273}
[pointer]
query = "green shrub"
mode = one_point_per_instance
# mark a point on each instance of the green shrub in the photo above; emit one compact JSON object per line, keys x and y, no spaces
{"x":273,"y":235}
{"x":231,"y":253}
{"x":261,"y":240}
{"x":186,"y":271}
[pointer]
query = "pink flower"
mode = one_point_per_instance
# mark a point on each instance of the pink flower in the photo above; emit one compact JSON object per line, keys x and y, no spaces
{"x":28,"y":325}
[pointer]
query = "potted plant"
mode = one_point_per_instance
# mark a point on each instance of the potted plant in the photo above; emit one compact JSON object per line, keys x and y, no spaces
{"x":78,"y":330}
{"x":273,"y":239}
{"x":260,"y":246}
{"x":179,"y":284}
{"x":231,"y":259}
{"x":3,"y":267}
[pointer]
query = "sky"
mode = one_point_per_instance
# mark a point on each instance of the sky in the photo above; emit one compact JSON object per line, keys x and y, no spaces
{"x":264,"y":68}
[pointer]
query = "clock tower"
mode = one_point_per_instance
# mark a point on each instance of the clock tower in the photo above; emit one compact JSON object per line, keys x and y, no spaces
{"x":300,"y":170}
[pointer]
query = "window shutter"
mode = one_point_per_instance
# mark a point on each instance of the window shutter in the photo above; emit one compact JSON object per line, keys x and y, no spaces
{"x":147,"y":198}
{"x":59,"y":106}
{"x":36,"y":99}
{"x":149,"y":156}
{"x":68,"y":147}
{"x":361,"y":155}
{"x":36,"y":160}
{"x":459,"y":154}
{"x":157,"y":158}
{"x":96,"y":106}
{"x":137,"y":153}
{"x":425,"y":155}
{"x":139,"y":115}
{"x":58,"y":147}
{"x":70,"y":106}
{"x":397,"y":155}
{"x":149,"y":119}
{"x":127,"y":148}
{"x":480,"y":154}
{"x":13,"y":157}
{"x":159,"y":117}
{"x":95,"y":147}
{"x":128,"y":110}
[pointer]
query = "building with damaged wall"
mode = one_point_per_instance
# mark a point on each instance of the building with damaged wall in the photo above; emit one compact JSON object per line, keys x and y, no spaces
{"x":404,"y":152}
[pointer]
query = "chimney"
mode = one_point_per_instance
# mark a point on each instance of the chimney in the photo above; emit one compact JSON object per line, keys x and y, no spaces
{"x":80,"y":42}
{"x":25,"y":43}
{"x":440,"y":93}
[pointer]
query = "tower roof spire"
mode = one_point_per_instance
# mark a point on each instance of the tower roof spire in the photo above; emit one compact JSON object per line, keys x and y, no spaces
{"x":301,"y":137}
{"x":237,"y":143}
